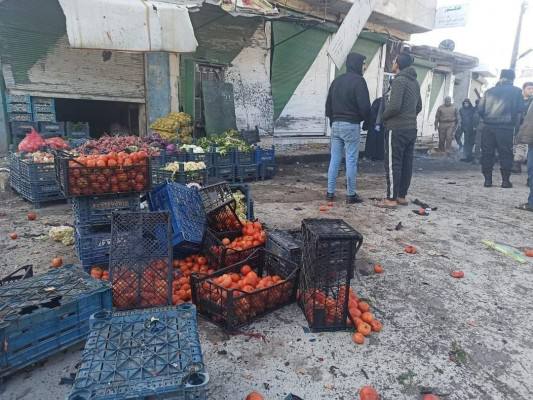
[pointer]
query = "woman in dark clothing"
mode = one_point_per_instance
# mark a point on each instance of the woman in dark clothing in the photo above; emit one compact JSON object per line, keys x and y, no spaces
{"x":375,"y":138}
{"x":468,"y":116}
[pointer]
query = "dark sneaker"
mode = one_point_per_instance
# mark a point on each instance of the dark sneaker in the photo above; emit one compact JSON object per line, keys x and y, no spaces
{"x":488,"y":181}
{"x":353,"y":199}
{"x":330,"y":196}
{"x":507,"y":184}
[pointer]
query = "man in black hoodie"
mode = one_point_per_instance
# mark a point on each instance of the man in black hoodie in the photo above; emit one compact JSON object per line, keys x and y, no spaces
{"x":400,"y":119}
{"x":348,"y":104}
{"x":501,"y":112}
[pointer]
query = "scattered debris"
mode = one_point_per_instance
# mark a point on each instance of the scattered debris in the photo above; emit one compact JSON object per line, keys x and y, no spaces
{"x":506,"y":250}
{"x":457,"y":354}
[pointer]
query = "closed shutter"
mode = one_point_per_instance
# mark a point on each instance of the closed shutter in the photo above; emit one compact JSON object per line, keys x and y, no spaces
{"x":38,"y":61}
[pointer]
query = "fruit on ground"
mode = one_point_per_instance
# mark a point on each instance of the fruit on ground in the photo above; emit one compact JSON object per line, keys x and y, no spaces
{"x":32,"y":216}
{"x":378,"y":269}
{"x":364,"y":329}
{"x":13,"y":235}
{"x":529,"y":252}
{"x":255,"y":396}
{"x":358,"y":338}
{"x":57,"y":262}
{"x":457,"y":274}
{"x":368,"y":393}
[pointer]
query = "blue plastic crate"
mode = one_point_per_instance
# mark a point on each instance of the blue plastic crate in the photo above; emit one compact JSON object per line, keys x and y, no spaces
{"x":247,"y":172}
{"x":47,"y":313}
{"x":187,"y":214}
{"x":49,"y":129}
{"x":245,"y":157}
{"x":219,"y":160}
{"x":19,"y":117}
{"x":20,"y":129}
{"x":40,"y":192}
{"x":265,"y":155}
{"x":200,"y":176}
{"x":92,"y":245}
{"x":225,"y":172}
{"x":154,"y":353}
{"x":97,"y":210}
{"x":77,"y":130}
{"x":44,"y":117}
{"x":18,"y":98}
{"x":37,"y":172}
{"x":18,"y":108}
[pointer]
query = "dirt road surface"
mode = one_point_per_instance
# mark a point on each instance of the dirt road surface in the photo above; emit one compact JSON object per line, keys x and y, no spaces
{"x":461,"y":339}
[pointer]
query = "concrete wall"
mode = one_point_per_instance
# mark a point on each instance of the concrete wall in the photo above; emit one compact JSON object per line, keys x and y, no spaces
{"x":157,"y":85}
{"x":411,"y":16}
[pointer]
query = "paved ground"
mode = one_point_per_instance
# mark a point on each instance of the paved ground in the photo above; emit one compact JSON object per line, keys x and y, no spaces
{"x":462,"y":339}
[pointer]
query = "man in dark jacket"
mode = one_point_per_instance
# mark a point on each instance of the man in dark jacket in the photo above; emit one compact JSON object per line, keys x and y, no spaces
{"x":400,"y":119}
{"x":375,"y":138}
{"x":500,"y":111}
{"x":525,"y":136}
{"x":347,"y":105}
{"x":468,"y":116}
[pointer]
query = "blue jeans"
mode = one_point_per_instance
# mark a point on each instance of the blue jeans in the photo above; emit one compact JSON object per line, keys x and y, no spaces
{"x":530,"y":174}
{"x":345,"y":138}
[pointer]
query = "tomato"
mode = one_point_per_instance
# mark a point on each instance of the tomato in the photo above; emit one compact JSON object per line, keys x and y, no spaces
{"x":112,"y":162}
{"x":123,"y":186}
{"x":57,"y":262}
{"x":122,"y":177}
{"x":139,"y":178}
{"x":101,"y":179}
{"x":368,"y":393}
{"x":128,"y":162}
{"x":91,"y":163}
{"x":82,"y":182}
{"x":107,"y":172}
{"x":101,"y":163}
{"x":75,"y":172}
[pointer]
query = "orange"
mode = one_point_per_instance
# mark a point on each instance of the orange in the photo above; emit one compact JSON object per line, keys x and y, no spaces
{"x":367,"y":317}
{"x":255,"y":396}
{"x":364,"y":328}
{"x":358,"y":338}
{"x":363,"y":306}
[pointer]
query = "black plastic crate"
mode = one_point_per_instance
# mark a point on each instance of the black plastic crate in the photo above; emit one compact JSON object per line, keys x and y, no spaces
{"x":286,"y":244}
{"x":36,"y":172}
{"x":247,"y":172}
{"x":267,"y":170}
{"x":219,"y":159}
{"x":231,"y":307}
{"x":159,"y":175}
{"x":141,"y":260}
{"x":216,"y":196}
{"x":23,"y":272}
{"x":73,"y":175}
{"x":39,"y":192}
{"x":20,"y":129}
{"x":142,"y":354}
{"x":77,"y":130}
{"x":18,"y":107}
{"x":19,"y":117}
{"x":97,"y":210}
{"x":225,"y":172}
{"x":220,"y":255}
{"x":245,"y":157}
{"x":329,"y":250}
{"x":52,"y":129}
{"x":224,"y":219}
{"x":325,"y":305}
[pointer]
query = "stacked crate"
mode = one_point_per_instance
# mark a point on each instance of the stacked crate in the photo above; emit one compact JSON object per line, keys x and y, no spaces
{"x":43,"y":109}
{"x":92,"y":221}
{"x":329,"y":250}
{"x":47,"y":313}
{"x":266,"y":160}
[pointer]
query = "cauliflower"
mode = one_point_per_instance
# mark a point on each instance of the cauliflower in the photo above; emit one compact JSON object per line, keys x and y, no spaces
{"x":63,"y":234}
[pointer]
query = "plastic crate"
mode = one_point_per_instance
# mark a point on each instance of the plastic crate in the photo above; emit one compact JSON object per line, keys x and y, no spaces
{"x":220,"y":160}
{"x":20,"y":129}
{"x":224,"y":219}
{"x":267,"y":170}
{"x":187,"y":214}
{"x":93,"y":245}
{"x":245,"y":157}
{"x":248,"y":201}
{"x":49,"y":129}
{"x":247,"y":172}
{"x":37,"y":172}
{"x":285,"y":244}
{"x":218,"y":255}
{"x":226,"y":173}
{"x":47,"y":313}
{"x":141,"y":259}
{"x":251,"y":136}
{"x":233,"y":308}
{"x":43,"y":105}
{"x":69,"y":174}
{"x":147,"y":354}
{"x":18,"y":107}
{"x":44,"y":117}
{"x":21,"y":273}
{"x":97,"y":210}
{"x":325,"y":305}
{"x":265,"y":155}
{"x":200,"y":176}
{"x":77,"y":130}
{"x":216,"y":196}
{"x":329,"y":250}
{"x":19,"y":117}
{"x":39,"y":193}
{"x":18,"y":98}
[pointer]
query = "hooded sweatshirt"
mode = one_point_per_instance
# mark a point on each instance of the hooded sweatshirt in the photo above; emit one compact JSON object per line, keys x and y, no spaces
{"x":405,"y":101}
{"x":348,"y":98}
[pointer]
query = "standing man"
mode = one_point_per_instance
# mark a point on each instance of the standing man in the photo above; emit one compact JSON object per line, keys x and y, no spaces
{"x":400,"y":123}
{"x":467,"y":113}
{"x":348,"y":104}
{"x":525,"y":136}
{"x":446,"y":122}
{"x":520,"y":150}
{"x":500,"y":111}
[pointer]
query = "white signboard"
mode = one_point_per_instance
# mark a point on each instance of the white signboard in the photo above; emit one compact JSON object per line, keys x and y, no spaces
{"x":349,"y":31}
{"x":451,"y":16}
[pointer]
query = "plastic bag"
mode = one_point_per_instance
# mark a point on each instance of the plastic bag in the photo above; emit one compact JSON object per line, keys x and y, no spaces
{"x":32,"y":142}
{"x":57,"y":143}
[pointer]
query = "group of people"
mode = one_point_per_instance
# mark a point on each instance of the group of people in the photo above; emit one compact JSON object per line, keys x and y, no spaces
{"x":501,"y":120}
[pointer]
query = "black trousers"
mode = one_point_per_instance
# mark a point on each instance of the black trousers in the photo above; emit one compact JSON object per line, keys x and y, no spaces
{"x":399,"y":151}
{"x":500,"y":139}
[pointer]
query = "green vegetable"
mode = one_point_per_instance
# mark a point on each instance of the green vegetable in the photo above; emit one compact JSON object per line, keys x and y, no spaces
{"x":224,"y":143}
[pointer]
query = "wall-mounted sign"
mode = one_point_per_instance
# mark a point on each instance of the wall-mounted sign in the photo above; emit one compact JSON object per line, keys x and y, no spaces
{"x":451,"y":16}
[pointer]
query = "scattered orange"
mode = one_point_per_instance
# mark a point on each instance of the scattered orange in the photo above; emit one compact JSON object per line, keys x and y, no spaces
{"x":13,"y":235}
{"x":32,"y":216}
{"x":363,"y":306}
{"x":57,"y":262}
{"x":376,"y":325}
{"x":529,"y":252}
{"x":364,"y":328}
{"x":367,"y":317}
{"x":378,"y":269}
{"x":410,"y":249}
{"x":457,"y":274}
{"x":358,"y":338}
{"x":255,"y":396}
{"x":368,"y":393}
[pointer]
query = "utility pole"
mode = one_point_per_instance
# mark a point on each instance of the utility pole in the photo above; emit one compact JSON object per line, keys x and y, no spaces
{"x":516,"y":47}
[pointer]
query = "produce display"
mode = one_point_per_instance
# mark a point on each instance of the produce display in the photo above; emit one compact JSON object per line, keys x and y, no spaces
{"x":192,"y":148}
{"x":32,"y":142}
{"x":107,"y":173}
{"x":224,"y":143}
{"x":253,"y":235}
{"x":174,"y":127}
{"x":39,"y":157}
{"x":99,"y":273}
{"x":177,"y":166}
{"x":241,"y":207}
{"x":56,"y":143}
{"x":151,"y":145}
{"x":148,"y":288}
{"x":183,"y":269}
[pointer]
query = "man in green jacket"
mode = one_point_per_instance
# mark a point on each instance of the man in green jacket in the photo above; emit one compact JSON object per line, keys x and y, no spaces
{"x":525,"y":136}
{"x":400,"y":120}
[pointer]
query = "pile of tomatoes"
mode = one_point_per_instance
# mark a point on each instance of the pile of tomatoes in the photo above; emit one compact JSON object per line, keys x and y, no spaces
{"x":252,"y":295}
{"x":358,"y":311}
{"x":183,"y":269}
{"x":99,"y":273}
{"x":147,"y":289}
{"x":108,"y":173}
{"x":224,"y":220}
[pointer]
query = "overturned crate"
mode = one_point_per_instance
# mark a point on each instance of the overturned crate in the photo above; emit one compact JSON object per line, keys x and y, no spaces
{"x":42,"y":315}
{"x":141,"y":260}
{"x":142,"y":354}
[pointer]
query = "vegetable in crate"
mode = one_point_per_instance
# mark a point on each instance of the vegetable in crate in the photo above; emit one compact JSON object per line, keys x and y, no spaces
{"x":32,"y":142}
{"x":57,"y":143}
{"x":253,"y":235}
{"x":223,"y":144}
{"x":187,"y":166}
{"x":241,"y":207}
{"x":108,"y":144}
{"x":191,"y":147}
{"x":40,"y":157}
